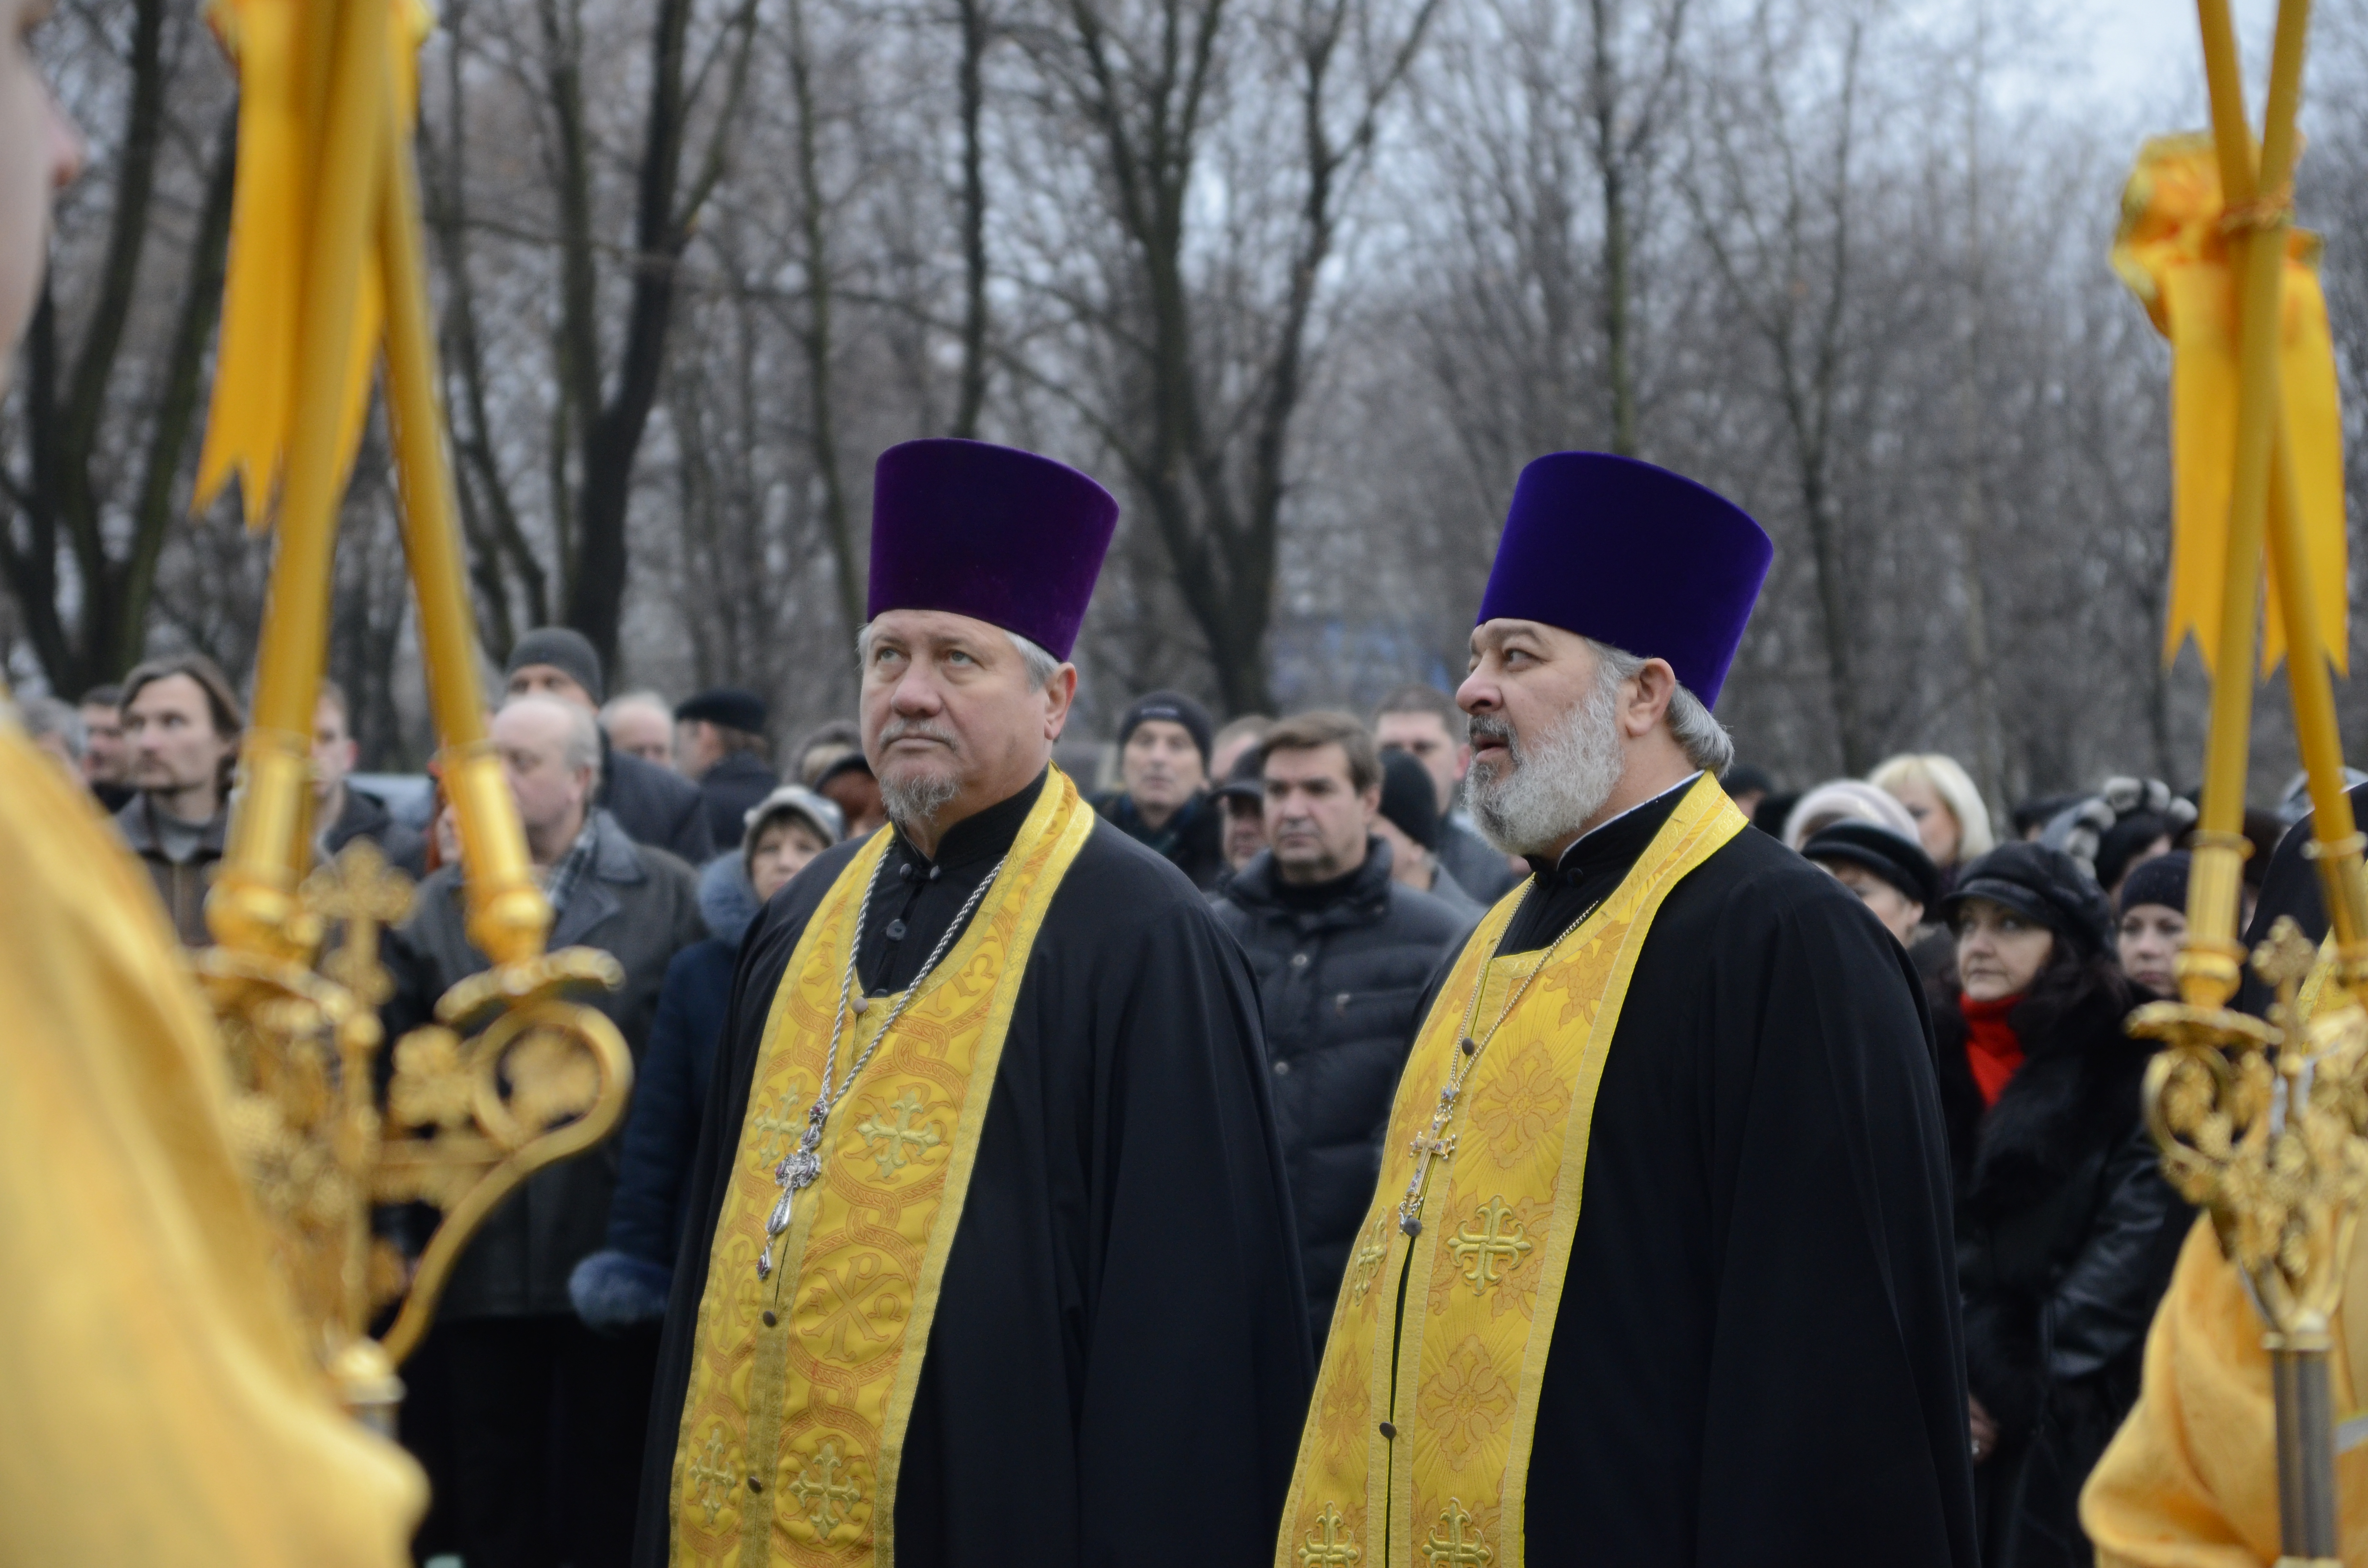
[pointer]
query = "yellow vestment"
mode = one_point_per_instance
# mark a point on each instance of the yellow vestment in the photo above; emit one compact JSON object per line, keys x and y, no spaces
{"x":160,"y":1405}
{"x":1427,"y":1396}
{"x":801,"y":1386}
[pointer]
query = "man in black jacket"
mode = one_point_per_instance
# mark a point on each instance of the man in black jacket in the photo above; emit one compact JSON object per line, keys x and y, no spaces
{"x":341,"y":813}
{"x":1341,"y":951}
{"x":654,"y":806}
{"x":719,"y":739}
{"x":1163,"y":802}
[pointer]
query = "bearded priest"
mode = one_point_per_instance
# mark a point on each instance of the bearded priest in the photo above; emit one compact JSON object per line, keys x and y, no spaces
{"x":990,"y":1251}
{"x":1659,"y":1270}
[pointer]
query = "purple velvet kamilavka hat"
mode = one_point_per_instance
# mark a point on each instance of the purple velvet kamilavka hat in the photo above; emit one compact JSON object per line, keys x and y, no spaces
{"x":991,"y":532}
{"x":1632,"y":555}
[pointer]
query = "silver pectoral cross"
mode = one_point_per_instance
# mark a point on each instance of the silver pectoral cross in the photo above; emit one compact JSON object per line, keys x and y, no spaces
{"x":796,"y":1172}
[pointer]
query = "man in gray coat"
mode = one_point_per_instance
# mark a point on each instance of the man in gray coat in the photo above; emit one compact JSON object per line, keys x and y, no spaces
{"x":508,"y":1374}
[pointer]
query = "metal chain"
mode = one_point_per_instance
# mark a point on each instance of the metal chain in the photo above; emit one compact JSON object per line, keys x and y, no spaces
{"x":799,"y":1168}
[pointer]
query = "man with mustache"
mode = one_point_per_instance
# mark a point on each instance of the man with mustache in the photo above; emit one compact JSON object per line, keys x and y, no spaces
{"x":1659,"y":1270}
{"x":989,"y":1255}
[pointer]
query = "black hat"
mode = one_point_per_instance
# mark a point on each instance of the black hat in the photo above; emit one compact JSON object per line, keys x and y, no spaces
{"x":1409,"y":798}
{"x":853,"y":762}
{"x":1743,"y":777}
{"x":564,"y":649}
{"x":2041,"y":884}
{"x":1176,"y":708}
{"x":1248,"y":780}
{"x":728,"y":706}
{"x":2162,"y":879}
{"x":1899,"y":861}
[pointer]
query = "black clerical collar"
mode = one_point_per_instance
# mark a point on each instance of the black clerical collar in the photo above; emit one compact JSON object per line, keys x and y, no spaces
{"x":982,"y":836}
{"x":1617,"y":841}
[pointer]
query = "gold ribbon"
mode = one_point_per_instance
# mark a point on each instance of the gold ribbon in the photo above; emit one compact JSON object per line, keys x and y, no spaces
{"x":1428,"y":1397}
{"x":281,"y":50}
{"x":2172,"y":251}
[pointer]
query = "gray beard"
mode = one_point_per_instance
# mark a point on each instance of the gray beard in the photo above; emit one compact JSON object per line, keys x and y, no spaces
{"x":917,"y":801}
{"x":1555,"y":783}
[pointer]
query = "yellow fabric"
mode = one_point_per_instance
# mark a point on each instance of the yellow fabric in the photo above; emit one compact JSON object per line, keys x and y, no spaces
{"x":160,"y":1408}
{"x":282,"y":48}
{"x":2192,"y":1478}
{"x":1486,"y":1270}
{"x":812,"y":1406}
{"x":2171,"y":252}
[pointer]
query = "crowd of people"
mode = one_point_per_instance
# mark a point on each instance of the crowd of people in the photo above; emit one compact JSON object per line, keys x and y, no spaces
{"x":1335,"y":851}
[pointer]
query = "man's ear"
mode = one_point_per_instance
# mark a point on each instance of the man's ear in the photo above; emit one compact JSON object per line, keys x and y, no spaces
{"x":1060,"y":696}
{"x":1648,"y":701}
{"x":1369,"y":798}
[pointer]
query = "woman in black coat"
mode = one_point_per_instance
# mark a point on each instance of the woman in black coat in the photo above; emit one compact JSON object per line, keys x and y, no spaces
{"x":2065,"y":1230}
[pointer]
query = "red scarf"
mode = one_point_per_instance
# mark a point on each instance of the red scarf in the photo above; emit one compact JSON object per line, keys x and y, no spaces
{"x":1991,"y":1048}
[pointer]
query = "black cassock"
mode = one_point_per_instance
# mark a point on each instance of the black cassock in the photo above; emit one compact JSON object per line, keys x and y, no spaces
{"x":1120,"y":1361}
{"x":1757,"y":1357}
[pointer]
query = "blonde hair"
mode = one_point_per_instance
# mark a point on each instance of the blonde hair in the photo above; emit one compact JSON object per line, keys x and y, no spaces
{"x":1948,"y":781}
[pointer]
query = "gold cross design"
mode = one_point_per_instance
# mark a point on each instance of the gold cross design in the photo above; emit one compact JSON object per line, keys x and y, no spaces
{"x":361,"y":889}
{"x":1369,"y":1262}
{"x":1428,"y":1149}
{"x":1452,"y":1548}
{"x":1479,"y":1251}
{"x":818,"y":1490}
{"x":888,"y":1140}
{"x":776,"y":1129}
{"x":712,"y":1481}
{"x":1336,"y":1550}
{"x":2285,"y":960}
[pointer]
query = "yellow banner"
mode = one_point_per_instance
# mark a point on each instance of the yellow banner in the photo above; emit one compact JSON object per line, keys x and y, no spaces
{"x":2173,"y":252}
{"x":281,"y":48}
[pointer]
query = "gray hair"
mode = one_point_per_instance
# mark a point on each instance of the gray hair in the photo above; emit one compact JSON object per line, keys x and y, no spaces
{"x":580,"y":747}
{"x":1702,"y":738}
{"x":49,"y":716}
{"x":1039,"y":663}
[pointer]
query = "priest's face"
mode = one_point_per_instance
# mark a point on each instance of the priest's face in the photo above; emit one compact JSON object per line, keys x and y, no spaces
{"x":952,"y":720}
{"x":1547,"y":734}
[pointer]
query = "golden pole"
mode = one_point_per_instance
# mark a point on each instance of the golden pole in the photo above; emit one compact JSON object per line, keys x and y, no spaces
{"x":508,"y":916}
{"x":253,"y":905}
{"x":2210,"y":965}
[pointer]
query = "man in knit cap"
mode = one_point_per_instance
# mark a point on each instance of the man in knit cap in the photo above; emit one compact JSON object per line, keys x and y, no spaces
{"x":653,"y":805}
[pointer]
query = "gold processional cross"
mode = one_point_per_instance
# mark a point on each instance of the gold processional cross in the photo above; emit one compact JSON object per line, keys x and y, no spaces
{"x":1480,"y":1252}
{"x":826,"y":1500}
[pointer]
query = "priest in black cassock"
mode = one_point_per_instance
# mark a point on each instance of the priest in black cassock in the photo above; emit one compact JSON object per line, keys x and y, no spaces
{"x":989,"y":1255}
{"x":1660,"y":1269}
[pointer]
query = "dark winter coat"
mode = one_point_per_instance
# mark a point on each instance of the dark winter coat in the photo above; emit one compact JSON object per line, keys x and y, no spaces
{"x":181,"y":884}
{"x":1193,"y":840}
{"x":1338,"y":987}
{"x":637,"y":904}
{"x":366,"y":816}
{"x":2067,"y":1233}
{"x":733,"y":787}
{"x":1477,"y":865}
{"x":654,"y":806}
{"x":626,"y":1282}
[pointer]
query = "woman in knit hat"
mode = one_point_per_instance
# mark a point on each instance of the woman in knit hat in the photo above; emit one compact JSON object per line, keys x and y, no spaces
{"x":2153,"y":921}
{"x":2065,"y":1229}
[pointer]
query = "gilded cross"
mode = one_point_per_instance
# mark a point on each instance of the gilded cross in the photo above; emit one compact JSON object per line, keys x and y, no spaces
{"x":888,"y":1140}
{"x":776,"y":1129}
{"x":1479,"y":1251}
{"x":711,"y":1482}
{"x":1429,"y":1149}
{"x":818,"y":1490}
{"x":361,"y":889}
{"x":1452,"y":1549}
{"x":2285,"y":960}
{"x":1336,"y":1550}
{"x":1368,"y":1264}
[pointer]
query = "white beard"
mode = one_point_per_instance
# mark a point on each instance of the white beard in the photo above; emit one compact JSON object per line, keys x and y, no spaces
{"x":1538,"y":794}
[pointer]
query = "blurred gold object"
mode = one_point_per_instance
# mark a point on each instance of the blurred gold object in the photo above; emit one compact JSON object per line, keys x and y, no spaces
{"x":513,"y":1076}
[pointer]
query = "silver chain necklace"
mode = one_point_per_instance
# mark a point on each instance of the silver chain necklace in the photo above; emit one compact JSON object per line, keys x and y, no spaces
{"x":799,"y":1168}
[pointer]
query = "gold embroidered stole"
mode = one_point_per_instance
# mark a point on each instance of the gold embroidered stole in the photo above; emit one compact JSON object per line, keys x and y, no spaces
{"x":1455,"y":1372}
{"x":800,"y":1388}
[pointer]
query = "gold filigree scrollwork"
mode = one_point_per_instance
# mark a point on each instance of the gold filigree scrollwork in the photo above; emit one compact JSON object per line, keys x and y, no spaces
{"x":2261,"y":1125}
{"x":473,"y":1114}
